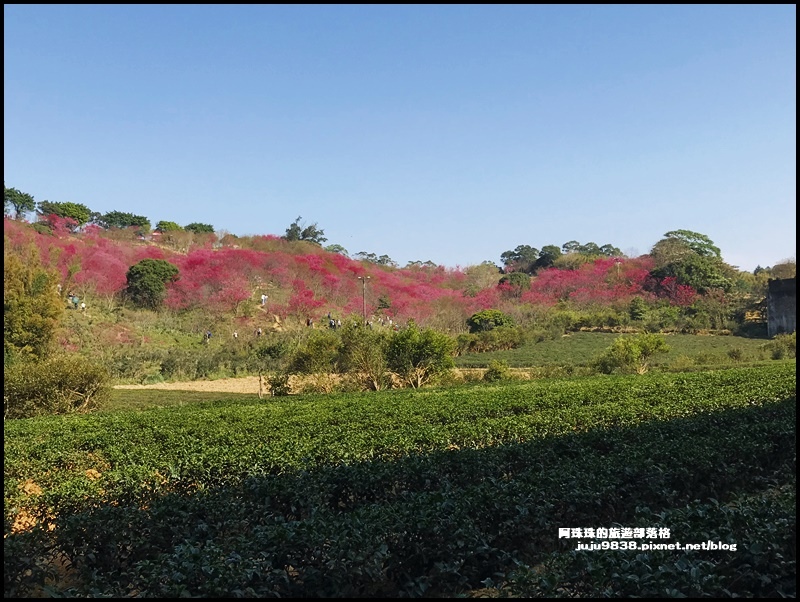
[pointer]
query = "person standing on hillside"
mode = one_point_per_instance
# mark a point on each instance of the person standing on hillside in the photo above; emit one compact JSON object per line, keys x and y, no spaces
{"x":263,"y":299}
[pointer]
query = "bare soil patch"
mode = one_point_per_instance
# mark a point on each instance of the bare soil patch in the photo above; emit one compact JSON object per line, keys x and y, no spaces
{"x":247,"y":384}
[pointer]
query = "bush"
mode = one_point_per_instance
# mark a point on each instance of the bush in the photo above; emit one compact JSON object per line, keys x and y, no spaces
{"x":502,"y":338}
{"x":637,"y":309}
{"x":147,"y":282}
{"x":279,"y":384}
{"x":782,"y":346}
{"x":487,"y":320}
{"x":736,"y":354}
{"x":682,"y":362}
{"x":419,"y":356}
{"x":631,"y":354}
{"x":62,"y":384}
{"x":498,"y":370}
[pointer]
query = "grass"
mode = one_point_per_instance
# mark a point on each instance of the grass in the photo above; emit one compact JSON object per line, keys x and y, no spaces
{"x":580,"y":348}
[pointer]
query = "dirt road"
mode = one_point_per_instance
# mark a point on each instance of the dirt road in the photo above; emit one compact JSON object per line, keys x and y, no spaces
{"x":248,"y":384}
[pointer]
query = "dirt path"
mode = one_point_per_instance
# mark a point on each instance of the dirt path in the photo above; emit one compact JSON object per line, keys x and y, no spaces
{"x":247,"y":384}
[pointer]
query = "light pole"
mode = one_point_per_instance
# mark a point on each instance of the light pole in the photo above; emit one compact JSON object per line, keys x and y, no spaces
{"x":363,"y":280}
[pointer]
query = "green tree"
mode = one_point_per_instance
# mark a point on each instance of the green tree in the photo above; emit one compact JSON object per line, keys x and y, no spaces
{"x":631,"y":353}
{"x":547,"y":257}
{"x":364,"y":354}
{"x":311,"y":233}
{"x":384,"y":302}
{"x":373,"y":258}
{"x":692,"y":259}
{"x":521,"y":259}
{"x":699,"y":243}
{"x":270,"y":358}
{"x":637,"y":308}
{"x":488,"y":319}
{"x":76,"y":211}
{"x":22,"y":202}
{"x":165,"y":226}
{"x":668,"y":251}
{"x":610,"y":251}
{"x":422,"y":264}
{"x":419,"y":356}
{"x":121,"y":219}
{"x":319,"y":354}
{"x":519,"y":282}
{"x":147,"y":282}
{"x":337,"y":249}
{"x":199,"y":228}
{"x":590,"y":248}
{"x":702,"y":273}
{"x":32,"y":306}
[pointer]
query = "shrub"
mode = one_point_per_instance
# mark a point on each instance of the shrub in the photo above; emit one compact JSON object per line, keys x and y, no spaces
{"x":32,"y":307}
{"x":736,"y":354}
{"x":682,"y":362}
{"x":319,"y":354}
{"x":498,"y":370}
{"x":783,"y":345}
{"x":706,"y":359}
{"x":637,"y":309}
{"x":487,"y":320}
{"x":61,"y":384}
{"x":631,"y":354}
{"x":279,"y":384}
{"x":419,"y":356}
{"x":147,"y":281}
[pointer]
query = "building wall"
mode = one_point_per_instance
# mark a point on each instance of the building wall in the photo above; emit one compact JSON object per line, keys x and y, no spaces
{"x":781,"y":306}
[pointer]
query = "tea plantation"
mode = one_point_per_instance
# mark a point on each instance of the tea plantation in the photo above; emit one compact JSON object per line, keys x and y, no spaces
{"x":460,"y":491}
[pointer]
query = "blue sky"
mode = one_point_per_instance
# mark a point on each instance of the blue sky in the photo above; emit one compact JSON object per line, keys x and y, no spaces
{"x":448,"y":133}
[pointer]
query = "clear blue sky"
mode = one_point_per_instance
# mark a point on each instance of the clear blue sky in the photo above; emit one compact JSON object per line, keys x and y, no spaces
{"x":429,"y":132}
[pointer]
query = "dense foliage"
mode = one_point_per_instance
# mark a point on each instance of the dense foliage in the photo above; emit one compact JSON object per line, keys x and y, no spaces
{"x":32,"y":305}
{"x":147,"y":282}
{"x":61,"y":384}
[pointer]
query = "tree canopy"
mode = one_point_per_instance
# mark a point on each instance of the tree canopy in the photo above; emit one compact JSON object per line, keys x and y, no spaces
{"x":691,"y":259}
{"x":121,"y":219}
{"x":373,"y":258}
{"x":199,"y":228}
{"x":74,"y":211}
{"x":418,"y":356}
{"x":32,"y":307}
{"x":311,"y":233}
{"x":337,"y":249}
{"x":488,"y":319}
{"x":521,"y":259}
{"x":166,"y":226}
{"x":22,"y":202}
{"x":699,"y":243}
{"x":146,"y":282}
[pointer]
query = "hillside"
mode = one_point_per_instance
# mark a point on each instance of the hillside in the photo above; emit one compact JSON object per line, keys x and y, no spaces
{"x":231,"y":287}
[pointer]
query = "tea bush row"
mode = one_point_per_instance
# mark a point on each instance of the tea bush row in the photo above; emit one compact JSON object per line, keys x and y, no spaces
{"x":405,"y":493}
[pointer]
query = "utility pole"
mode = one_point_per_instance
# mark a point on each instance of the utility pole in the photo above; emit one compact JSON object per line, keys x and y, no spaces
{"x":363,"y":280}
